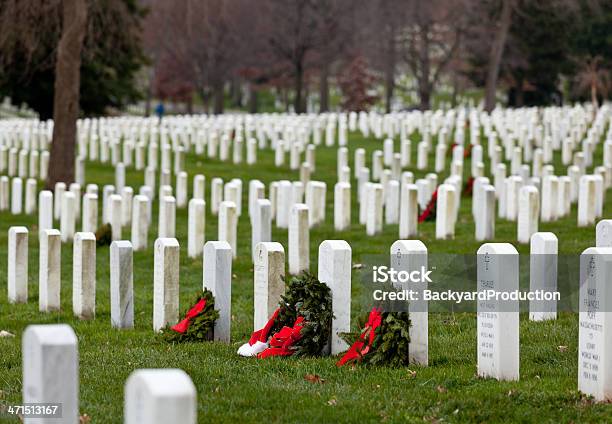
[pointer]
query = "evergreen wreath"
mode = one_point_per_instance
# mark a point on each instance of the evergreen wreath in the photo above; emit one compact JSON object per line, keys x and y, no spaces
{"x":201,"y":326}
{"x":391,"y":341}
{"x":311,"y":299}
{"x":300,"y":326}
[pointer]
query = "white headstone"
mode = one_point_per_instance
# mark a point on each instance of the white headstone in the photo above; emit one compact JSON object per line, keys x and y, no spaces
{"x":121,"y":284}
{"x":116,"y":217}
{"x":216,"y":195}
{"x":228,"y":225}
{"x":49,"y":271}
{"x":16,"y":196}
{"x":160,"y":396}
{"x":485,"y":216}
{"x":218,"y":279}
{"x":595,"y":324}
{"x":30,"y":196}
{"x":90,"y":213}
{"x":603,"y":233}
{"x":166,"y":227}
{"x":528,"y":213}
{"x":409,"y":256}
{"x":445,"y":211}
{"x":409,"y":211}
{"x":45,"y":210}
{"x":269,"y":280}
{"x":392,"y":202}
{"x":195,"y":227}
{"x":342,"y":206}
{"x":140,"y":222}
{"x":374,"y":209}
{"x":165,"y":283}
{"x":84,"y":275}
{"x":586,"y":201}
{"x":335,"y":271}
{"x":498,"y":320}
{"x":299,"y":239}
{"x":51,"y":370}
{"x":18,"y":265}
{"x":543,"y":275}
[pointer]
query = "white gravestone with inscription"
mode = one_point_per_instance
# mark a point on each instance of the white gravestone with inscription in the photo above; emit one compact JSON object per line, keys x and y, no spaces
{"x":269,"y":276}
{"x":498,"y":319}
{"x":595,"y":324}
{"x":411,"y":255}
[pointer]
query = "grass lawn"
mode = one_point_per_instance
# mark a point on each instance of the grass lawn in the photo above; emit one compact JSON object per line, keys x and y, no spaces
{"x":231,"y":388}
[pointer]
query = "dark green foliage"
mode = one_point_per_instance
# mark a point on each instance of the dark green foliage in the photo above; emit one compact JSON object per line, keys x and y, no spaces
{"x":104,"y":235}
{"x":390,"y":347}
{"x":112,"y":56}
{"x":306,"y":296}
{"x":201,"y":327}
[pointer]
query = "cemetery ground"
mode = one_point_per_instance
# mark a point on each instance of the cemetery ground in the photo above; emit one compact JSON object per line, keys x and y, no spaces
{"x":231,"y":388}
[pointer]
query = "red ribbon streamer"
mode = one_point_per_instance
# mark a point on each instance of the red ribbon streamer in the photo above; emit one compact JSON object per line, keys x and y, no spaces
{"x":282,"y":342}
{"x":360,"y":347}
{"x":430,"y":207}
{"x":182,"y":326}
{"x":262,"y":334}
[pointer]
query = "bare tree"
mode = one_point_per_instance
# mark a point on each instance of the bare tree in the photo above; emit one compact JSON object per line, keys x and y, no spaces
{"x":497,"y":50}
{"x":593,"y":78}
{"x":294,"y":31}
{"x":430,"y":40}
{"x":66,"y":91}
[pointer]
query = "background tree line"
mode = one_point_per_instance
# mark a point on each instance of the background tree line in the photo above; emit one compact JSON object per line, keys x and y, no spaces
{"x":71,"y":58}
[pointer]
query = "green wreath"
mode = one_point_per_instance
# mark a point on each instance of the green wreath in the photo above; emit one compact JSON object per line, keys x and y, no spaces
{"x":307,"y":297}
{"x":200,"y":327}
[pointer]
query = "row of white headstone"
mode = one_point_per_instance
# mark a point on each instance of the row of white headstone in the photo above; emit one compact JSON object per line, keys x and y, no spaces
{"x":334,"y":269}
{"x":50,"y":352}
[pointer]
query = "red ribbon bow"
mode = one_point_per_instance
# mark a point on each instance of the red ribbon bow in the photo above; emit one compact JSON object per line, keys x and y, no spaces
{"x":182,"y":326}
{"x":282,"y":342}
{"x":360,"y":348}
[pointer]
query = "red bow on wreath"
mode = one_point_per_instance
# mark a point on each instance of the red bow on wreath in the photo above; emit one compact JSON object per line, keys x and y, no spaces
{"x":182,"y":326}
{"x":360,"y":348}
{"x":281,"y":342}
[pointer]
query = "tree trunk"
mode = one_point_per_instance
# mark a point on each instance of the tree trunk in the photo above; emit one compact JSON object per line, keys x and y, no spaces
{"x":324,"y":87}
{"x":218,"y":97}
{"x":299,"y":80}
{"x":389,"y":88}
{"x":594,"y":96}
{"x":66,"y":92}
{"x":253,"y":106}
{"x":495,"y":55}
{"x":424,"y":84}
{"x":390,"y":71}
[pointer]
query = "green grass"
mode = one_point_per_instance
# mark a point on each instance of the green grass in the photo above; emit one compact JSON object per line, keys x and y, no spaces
{"x":231,"y":388}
